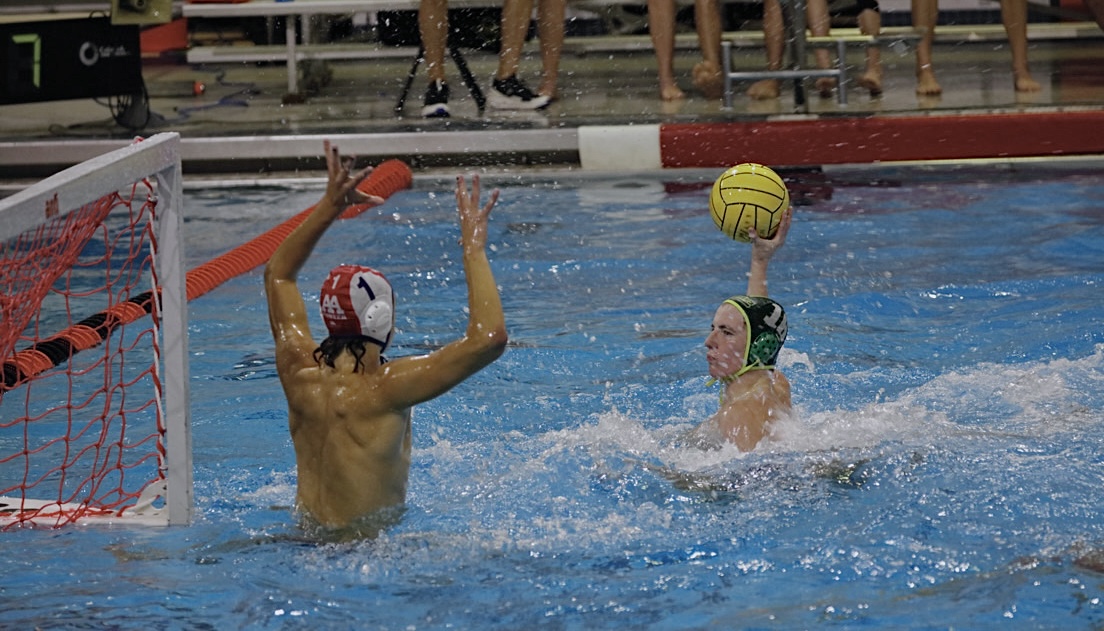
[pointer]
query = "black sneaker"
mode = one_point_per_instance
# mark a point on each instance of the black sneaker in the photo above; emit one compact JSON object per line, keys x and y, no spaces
{"x":511,"y":94}
{"x":436,"y":100}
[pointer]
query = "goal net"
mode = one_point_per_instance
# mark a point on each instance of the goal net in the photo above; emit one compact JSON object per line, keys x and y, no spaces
{"x":94,"y":399}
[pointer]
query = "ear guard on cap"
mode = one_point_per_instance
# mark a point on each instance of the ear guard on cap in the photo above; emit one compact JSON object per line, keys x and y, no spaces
{"x":764,"y":349}
{"x":375,"y":322}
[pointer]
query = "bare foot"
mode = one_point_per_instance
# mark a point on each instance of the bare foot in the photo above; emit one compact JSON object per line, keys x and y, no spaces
{"x":708,"y":79}
{"x":1025,"y":83}
{"x":670,"y":108}
{"x":765,"y":89}
{"x":926,"y":83}
{"x":824,"y":86}
{"x":670,"y":91}
{"x":871,"y":80}
{"x":929,"y":101}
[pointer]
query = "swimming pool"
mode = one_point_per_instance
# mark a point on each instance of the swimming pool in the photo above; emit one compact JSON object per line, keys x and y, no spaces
{"x":944,"y":470}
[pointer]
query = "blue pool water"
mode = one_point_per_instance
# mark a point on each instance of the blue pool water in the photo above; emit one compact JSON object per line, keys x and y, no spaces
{"x":944,"y":470}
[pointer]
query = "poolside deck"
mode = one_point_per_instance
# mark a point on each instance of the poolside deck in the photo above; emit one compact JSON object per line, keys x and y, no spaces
{"x":241,"y":123}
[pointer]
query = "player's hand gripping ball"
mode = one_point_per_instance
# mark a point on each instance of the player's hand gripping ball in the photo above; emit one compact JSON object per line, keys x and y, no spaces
{"x":748,"y":195}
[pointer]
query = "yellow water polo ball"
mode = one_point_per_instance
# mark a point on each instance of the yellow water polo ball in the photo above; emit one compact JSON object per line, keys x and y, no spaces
{"x":745,"y":196}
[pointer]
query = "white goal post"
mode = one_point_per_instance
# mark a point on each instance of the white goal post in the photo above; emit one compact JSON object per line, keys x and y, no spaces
{"x":156,"y":486}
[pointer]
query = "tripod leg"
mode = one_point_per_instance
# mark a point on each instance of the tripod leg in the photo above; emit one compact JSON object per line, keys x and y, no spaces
{"x":409,"y":81}
{"x":469,"y":80}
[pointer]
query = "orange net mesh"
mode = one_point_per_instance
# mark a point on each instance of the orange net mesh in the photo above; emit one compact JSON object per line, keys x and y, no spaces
{"x":80,"y":434}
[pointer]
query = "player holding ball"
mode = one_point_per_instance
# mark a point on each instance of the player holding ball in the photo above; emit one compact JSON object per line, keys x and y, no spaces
{"x":747,"y":334}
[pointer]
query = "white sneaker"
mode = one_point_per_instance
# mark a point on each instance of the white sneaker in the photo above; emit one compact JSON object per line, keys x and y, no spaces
{"x":511,"y":94}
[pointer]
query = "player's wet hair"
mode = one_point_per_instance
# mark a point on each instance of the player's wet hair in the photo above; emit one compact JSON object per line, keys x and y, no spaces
{"x":332,"y":347}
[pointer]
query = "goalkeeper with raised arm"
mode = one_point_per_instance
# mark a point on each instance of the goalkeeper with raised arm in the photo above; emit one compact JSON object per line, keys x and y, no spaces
{"x":349,"y":409}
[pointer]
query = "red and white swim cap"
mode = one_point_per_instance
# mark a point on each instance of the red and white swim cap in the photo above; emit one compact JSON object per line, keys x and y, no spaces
{"x":358,"y":300}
